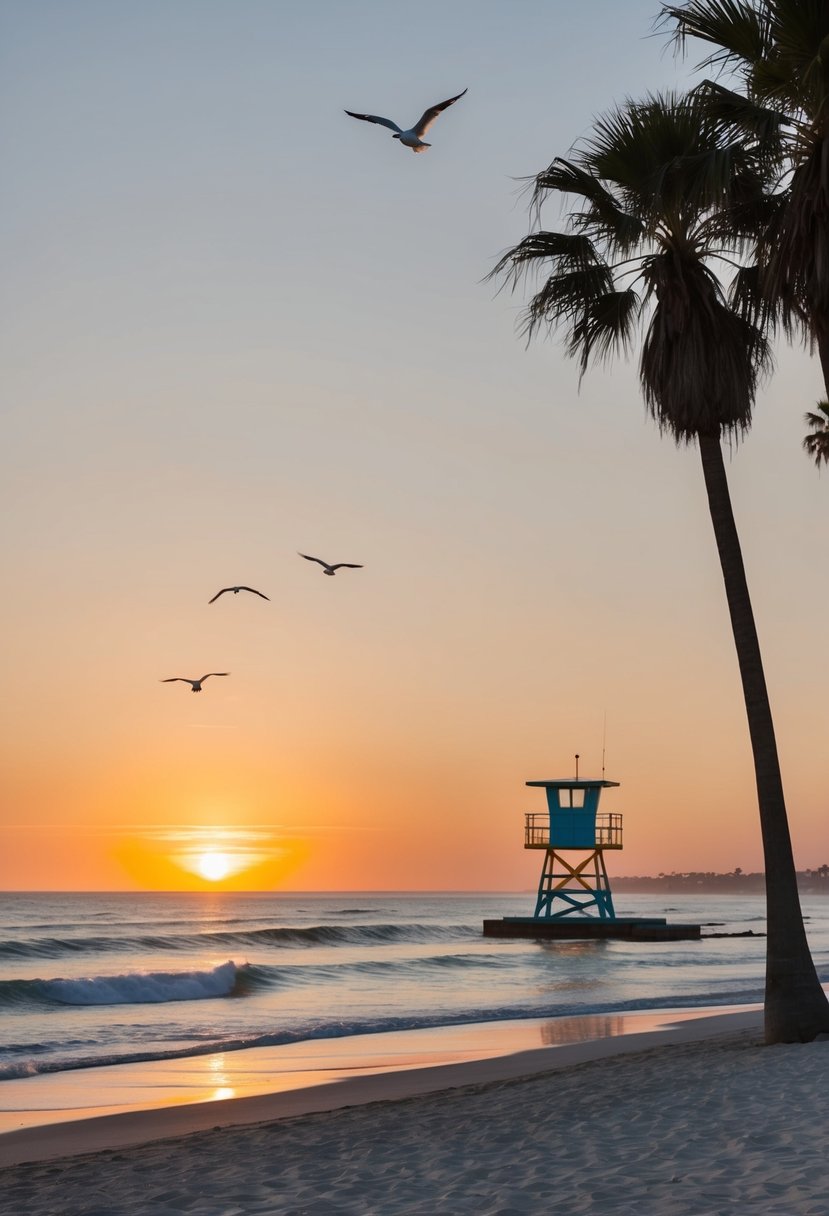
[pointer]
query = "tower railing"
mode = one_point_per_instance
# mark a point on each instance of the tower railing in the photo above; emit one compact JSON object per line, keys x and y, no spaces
{"x":537,"y":830}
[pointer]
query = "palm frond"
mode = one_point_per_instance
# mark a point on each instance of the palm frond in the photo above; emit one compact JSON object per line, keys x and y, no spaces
{"x":749,"y":301}
{"x":602,"y":214}
{"x":738,"y":29}
{"x":799,"y":68}
{"x":780,"y":51}
{"x":794,"y":251}
{"x":747,"y":215}
{"x":710,"y":176}
{"x":666,"y":154}
{"x":566,"y":177}
{"x":566,"y":251}
{"x":817,"y":443}
{"x":605,"y":327}
{"x":633,"y":145}
{"x":565,"y":296}
{"x":744,"y":117}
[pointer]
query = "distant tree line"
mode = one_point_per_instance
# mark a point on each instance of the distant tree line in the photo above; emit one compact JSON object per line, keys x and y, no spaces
{"x":809,"y":882}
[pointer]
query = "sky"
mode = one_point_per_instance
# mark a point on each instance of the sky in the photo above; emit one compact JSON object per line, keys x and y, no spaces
{"x":238,"y":324}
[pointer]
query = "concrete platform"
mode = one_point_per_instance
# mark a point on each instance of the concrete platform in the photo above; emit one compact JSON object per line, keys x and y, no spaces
{"x":631,"y":928}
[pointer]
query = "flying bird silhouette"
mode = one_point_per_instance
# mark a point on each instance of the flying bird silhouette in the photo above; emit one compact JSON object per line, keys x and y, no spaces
{"x":412,"y":137}
{"x":326,"y":569}
{"x":195,"y":685}
{"x":236,"y":591}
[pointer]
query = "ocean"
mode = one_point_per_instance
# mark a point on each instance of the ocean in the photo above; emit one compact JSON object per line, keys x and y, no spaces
{"x":91,"y":979}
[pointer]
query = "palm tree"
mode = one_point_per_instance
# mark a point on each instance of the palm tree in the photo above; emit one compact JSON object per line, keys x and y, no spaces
{"x":817,"y":444}
{"x":778,"y":51}
{"x":642,"y":251}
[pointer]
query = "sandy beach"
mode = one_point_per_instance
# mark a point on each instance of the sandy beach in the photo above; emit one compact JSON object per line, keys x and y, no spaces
{"x":696,"y":1120}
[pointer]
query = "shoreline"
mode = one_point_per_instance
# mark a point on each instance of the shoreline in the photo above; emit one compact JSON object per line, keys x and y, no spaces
{"x":50,"y":1115}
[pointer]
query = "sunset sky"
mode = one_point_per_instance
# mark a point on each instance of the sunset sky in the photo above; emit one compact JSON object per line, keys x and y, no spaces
{"x":238,"y":324}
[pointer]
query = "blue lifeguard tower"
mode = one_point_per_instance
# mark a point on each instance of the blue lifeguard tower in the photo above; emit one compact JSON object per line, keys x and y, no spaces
{"x":574,"y":898}
{"x":573,"y":834}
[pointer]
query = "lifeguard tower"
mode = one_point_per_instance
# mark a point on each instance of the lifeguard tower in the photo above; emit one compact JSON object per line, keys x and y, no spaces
{"x":573,"y":835}
{"x":574,"y":898}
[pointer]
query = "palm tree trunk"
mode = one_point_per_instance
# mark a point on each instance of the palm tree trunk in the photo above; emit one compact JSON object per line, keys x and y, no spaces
{"x":823,"y":352}
{"x":796,"y":1008}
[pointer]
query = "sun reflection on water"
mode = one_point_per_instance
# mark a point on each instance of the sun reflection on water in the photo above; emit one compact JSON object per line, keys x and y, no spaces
{"x":220,"y":1078}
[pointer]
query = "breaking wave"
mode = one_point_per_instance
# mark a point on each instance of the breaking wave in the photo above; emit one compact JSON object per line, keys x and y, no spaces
{"x":134,"y":988}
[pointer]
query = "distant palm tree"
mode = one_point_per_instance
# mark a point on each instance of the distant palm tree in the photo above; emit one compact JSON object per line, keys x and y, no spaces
{"x":779,"y":52}
{"x":642,"y":250}
{"x":817,"y":444}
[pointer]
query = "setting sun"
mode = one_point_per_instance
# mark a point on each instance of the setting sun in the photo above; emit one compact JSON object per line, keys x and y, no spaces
{"x":191,"y":857}
{"x":214,"y":866}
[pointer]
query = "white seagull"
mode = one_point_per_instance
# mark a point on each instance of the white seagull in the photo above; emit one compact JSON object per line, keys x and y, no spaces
{"x":195,"y":685}
{"x":412,"y":137}
{"x":326,"y":569}
{"x":236,"y":591}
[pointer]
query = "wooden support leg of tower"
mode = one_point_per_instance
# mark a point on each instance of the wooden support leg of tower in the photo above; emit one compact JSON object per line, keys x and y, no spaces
{"x":574,"y":888}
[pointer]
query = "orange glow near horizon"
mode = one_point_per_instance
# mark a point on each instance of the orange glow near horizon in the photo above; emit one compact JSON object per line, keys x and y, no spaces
{"x":206,"y":858}
{"x":380,"y":824}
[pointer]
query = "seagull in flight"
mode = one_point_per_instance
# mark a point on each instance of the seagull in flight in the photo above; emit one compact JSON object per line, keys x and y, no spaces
{"x":412,"y":137}
{"x":236,"y":591}
{"x":195,"y":685}
{"x":326,"y":569}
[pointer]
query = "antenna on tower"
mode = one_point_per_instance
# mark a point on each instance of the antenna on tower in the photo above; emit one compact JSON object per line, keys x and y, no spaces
{"x":604,"y":740}
{"x":577,"y":766}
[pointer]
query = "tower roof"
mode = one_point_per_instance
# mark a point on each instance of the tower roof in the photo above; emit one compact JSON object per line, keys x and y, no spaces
{"x":573,"y":783}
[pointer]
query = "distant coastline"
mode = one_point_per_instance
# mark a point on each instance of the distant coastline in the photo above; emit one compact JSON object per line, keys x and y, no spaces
{"x":809,"y":882}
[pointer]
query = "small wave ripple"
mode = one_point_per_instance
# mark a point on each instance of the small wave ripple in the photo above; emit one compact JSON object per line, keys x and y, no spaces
{"x":288,"y":936}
